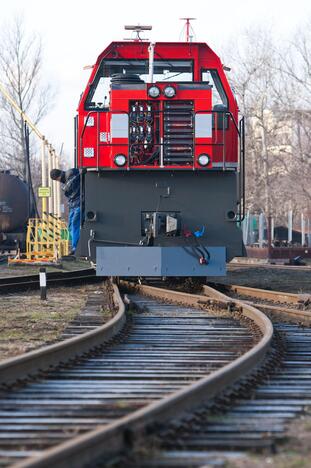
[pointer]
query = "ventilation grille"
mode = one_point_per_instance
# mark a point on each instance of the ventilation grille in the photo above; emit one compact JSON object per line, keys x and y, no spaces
{"x":178,"y":132}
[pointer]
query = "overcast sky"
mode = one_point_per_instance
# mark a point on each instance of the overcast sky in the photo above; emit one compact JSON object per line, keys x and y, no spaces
{"x":74,"y":32}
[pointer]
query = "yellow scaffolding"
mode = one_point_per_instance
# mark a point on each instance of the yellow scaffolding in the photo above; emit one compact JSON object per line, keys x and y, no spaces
{"x":47,"y":240}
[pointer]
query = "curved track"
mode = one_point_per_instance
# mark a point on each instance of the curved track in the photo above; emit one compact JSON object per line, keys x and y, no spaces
{"x":252,"y":415}
{"x":164,"y":361}
{"x":277,"y":303}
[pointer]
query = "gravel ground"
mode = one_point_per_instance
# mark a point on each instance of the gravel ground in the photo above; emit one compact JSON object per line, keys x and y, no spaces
{"x":27,"y":323}
{"x":294,"y":453}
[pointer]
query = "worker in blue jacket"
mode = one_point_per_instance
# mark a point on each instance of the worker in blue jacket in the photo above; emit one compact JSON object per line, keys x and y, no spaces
{"x":71,"y":188}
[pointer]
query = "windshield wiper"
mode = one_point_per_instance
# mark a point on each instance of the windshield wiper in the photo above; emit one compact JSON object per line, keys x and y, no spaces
{"x":169,"y":77}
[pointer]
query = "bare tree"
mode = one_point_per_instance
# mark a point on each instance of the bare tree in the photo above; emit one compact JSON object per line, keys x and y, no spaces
{"x":296,"y":69}
{"x":20,"y":73}
{"x":266,"y":98}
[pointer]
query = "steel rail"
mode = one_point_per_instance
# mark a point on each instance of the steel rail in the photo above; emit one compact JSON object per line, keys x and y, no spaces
{"x":299,"y":316}
{"x":118,"y":436}
{"x":28,"y":364}
{"x":277,"y":296}
{"x":303,"y":316}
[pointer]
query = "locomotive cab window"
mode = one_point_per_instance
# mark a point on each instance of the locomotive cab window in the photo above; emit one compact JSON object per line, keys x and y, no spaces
{"x":98,"y":97}
{"x":219,"y":97}
{"x":133,"y":71}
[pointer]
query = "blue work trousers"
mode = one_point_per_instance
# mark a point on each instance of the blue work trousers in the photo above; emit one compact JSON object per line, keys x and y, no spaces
{"x":74,"y":226}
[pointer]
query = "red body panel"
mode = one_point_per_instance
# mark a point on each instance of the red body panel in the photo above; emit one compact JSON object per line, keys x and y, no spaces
{"x":96,"y":143}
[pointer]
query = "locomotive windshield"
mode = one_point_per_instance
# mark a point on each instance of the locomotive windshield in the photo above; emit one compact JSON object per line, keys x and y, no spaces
{"x":164,"y":70}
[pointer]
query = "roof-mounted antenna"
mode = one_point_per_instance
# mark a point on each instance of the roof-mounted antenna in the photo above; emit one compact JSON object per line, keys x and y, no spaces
{"x":188,"y":29}
{"x":137,"y":29}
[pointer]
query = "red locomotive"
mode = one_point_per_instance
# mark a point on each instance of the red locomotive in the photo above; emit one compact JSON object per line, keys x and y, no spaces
{"x":162,"y":156}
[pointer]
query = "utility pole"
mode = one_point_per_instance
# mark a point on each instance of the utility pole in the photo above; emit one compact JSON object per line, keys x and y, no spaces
{"x":44,"y":145}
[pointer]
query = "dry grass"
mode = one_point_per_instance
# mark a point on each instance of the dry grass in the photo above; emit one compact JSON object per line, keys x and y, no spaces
{"x":26,"y":322}
{"x":295,"y":281}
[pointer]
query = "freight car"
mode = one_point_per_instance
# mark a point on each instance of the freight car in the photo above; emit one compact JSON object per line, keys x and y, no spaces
{"x":14,"y":211}
{"x":161,"y":152}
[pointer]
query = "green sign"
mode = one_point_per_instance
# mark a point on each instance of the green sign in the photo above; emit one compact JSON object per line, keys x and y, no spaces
{"x":44,"y":192}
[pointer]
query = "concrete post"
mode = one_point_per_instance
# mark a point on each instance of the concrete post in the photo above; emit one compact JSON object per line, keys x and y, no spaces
{"x":246,"y":228}
{"x":272,"y":229}
{"x":303,"y":240}
{"x":290,"y":226}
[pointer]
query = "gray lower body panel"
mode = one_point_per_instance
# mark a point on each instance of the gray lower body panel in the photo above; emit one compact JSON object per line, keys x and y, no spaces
{"x":158,"y":261}
{"x":116,"y":203}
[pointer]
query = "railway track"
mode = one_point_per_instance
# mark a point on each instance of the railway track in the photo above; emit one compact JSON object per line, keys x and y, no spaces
{"x":69,"y":278}
{"x":254,"y":414}
{"x":279,"y":304}
{"x":116,"y":381}
{"x":242,"y":420}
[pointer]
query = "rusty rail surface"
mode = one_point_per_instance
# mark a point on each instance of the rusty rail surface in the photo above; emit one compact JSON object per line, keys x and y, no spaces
{"x":277,"y":296}
{"x":118,"y":436}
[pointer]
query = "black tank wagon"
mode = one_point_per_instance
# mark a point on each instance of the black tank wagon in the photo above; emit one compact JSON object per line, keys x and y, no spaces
{"x":14,"y":211}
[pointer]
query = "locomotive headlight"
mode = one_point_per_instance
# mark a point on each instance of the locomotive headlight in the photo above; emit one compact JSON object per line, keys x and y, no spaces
{"x":169,"y":91}
{"x":204,"y":159}
{"x":120,"y":160}
{"x":154,"y":91}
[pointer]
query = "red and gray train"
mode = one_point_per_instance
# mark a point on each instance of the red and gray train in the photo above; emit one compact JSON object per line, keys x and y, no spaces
{"x":161,"y":152}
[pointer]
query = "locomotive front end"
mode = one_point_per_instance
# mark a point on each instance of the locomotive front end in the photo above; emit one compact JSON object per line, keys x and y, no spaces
{"x":160,"y":148}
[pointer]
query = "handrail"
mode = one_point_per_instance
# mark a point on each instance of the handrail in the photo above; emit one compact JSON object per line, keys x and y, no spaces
{"x":242,"y":170}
